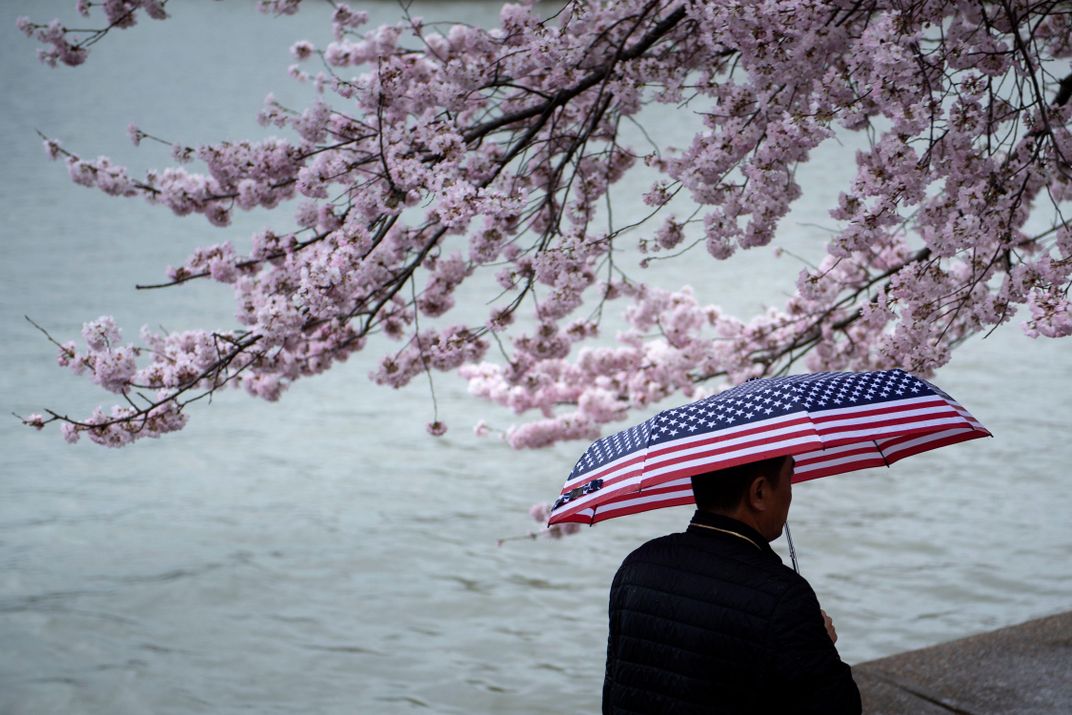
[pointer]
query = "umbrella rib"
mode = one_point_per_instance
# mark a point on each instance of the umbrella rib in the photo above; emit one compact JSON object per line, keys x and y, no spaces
{"x":881,"y":453}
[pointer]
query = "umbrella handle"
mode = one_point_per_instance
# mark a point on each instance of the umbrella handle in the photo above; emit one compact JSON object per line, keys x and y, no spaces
{"x":792,"y":551}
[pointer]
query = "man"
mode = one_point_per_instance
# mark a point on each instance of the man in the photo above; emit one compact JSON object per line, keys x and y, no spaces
{"x":711,"y":621}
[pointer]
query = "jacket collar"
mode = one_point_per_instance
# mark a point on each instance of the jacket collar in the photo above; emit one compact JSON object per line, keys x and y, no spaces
{"x":708,"y":524}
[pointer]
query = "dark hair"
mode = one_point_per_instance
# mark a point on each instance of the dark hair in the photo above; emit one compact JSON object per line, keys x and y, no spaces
{"x":722,"y":490}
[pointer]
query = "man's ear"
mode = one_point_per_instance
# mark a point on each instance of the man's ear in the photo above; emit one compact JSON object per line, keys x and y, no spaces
{"x":758,"y":491}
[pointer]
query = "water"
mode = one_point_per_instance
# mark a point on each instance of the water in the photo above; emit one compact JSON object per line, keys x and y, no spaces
{"x":324,"y":554}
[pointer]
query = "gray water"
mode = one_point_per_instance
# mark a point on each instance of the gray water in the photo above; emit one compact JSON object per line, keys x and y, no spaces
{"x":324,"y":554}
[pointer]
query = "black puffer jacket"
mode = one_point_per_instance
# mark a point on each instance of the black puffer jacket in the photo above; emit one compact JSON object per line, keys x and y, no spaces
{"x":711,"y":622}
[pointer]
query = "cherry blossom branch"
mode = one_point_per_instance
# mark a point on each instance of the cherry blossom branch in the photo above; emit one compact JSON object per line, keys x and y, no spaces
{"x":120,"y":15}
{"x":496,"y":152}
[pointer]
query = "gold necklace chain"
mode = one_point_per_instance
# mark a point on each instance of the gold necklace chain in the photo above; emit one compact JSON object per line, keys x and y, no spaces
{"x":727,"y":531}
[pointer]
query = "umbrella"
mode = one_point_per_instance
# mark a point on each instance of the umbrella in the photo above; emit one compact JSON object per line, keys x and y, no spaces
{"x":831,"y":422}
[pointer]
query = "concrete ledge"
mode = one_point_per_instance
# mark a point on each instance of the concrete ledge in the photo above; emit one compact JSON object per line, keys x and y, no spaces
{"x":1019,"y":670}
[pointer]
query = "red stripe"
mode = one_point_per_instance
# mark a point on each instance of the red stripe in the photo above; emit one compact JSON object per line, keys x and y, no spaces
{"x":889,"y":407}
{"x":976,"y":424}
{"x":763,"y":433}
{"x":648,"y":491}
{"x":803,"y":460}
{"x":607,"y":493}
{"x":570,"y":519}
{"x":574,"y":515}
{"x":827,"y":451}
{"x":891,"y":422}
{"x":877,"y":461}
{"x":936,"y":443}
{"x":716,"y":437}
{"x":712,"y":466}
{"x":584,"y":478}
{"x":637,"y":471}
{"x":681,"y":485}
{"x":894,"y":440}
{"x":905,"y":433}
{"x":723,"y":450}
{"x":642,"y":507}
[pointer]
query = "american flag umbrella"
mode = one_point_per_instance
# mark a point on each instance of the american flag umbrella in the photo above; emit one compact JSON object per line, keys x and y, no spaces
{"x":832,"y":422}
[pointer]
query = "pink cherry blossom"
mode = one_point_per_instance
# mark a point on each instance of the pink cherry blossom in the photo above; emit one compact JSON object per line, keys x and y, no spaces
{"x":35,"y":420}
{"x":443,"y":167}
{"x":539,"y":512}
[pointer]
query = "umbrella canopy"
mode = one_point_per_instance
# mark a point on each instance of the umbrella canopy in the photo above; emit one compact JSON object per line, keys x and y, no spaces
{"x":832,"y":422}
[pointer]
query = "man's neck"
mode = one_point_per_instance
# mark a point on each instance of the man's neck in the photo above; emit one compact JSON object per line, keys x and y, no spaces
{"x":740,"y":514}
{"x":719,"y":521}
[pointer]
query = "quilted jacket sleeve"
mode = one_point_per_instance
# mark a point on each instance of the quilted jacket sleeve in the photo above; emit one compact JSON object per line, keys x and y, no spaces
{"x":806,"y":661}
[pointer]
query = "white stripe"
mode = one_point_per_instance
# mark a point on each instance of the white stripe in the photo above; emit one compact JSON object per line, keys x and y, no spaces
{"x":721,"y":435}
{"x":727,"y":433}
{"x":630,"y":484}
{"x":894,"y":404}
{"x":829,"y":451}
{"x":602,"y":474}
{"x":679,"y":488}
{"x":585,"y":513}
{"x":763,"y":438}
{"x":837,"y":462}
{"x":618,"y":505}
{"x":618,"y":465}
{"x":968,"y":416}
{"x":944,"y":410}
{"x":872,"y":433}
{"x":924,"y":439}
{"x":704,"y":457}
{"x":684,"y":481}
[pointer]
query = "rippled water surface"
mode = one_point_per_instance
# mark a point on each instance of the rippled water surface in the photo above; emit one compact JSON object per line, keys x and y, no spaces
{"x":324,"y":554}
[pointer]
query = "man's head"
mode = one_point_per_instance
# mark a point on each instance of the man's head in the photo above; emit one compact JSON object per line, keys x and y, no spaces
{"x":758,"y":494}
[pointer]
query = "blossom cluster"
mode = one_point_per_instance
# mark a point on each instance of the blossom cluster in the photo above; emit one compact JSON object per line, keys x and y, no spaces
{"x":59,"y":48}
{"x":429,"y":157}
